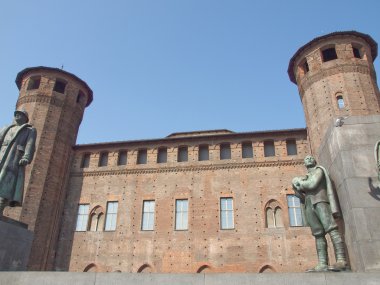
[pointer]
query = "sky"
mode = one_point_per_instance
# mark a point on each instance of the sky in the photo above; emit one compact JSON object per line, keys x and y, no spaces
{"x":162,"y":66}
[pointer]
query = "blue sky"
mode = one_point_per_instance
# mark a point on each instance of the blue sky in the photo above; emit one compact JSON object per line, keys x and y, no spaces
{"x":158,"y":67}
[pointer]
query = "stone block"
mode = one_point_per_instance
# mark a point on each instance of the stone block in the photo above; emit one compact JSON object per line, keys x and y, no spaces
{"x":148,"y":279}
{"x":15,"y":245}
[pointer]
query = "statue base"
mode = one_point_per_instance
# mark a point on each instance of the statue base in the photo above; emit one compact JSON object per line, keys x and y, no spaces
{"x":15,"y":245}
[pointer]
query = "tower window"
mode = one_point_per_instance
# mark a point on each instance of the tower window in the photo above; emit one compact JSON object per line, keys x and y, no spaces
{"x":246,"y":150}
{"x":306,"y":66}
{"x":142,"y":156}
{"x":225,"y":151}
{"x":203,"y":153}
{"x":103,"y":159}
{"x":329,"y":54}
{"x":81,"y":97}
{"x":122,"y":159}
{"x":34,"y":83}
{"x":291,"y":147}
{"x":182,"y":154}
{"x":59,"y":86}
{"x":85,"y":161}
{"x":162,"y":155}
{"x":340,"y":101}
{"x":269,"y":149}
{"x":356,"y":52}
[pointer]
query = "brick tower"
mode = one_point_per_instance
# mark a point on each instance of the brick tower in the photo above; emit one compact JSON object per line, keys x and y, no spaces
{"x":337,"y":85}
{"x":336,"y":78}
{"x":55,"y":100}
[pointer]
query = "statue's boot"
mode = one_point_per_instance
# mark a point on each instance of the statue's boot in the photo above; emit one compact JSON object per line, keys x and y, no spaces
{"x":321,"y":245}
{"x":340,"y":253}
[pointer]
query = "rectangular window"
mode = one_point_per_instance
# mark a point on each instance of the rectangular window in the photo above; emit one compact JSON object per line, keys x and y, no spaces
{"x":183,"y":154}
{"x":122,"y":159}
{"x":203,"y":153}
{"x":356,"y":52}
{"x":226,"y":214}
{"x":269,"y":149}
{"x":329,"y":54}
{"x":82,"y":219}
{"x":103,"y":159}
{"x":111,"y":216}
{"x":85,"y":161}
{"x":246,"y":150}
{"x":59,"y":86}
{"x":142,"y":156}
{"x":291,"y":147}
{"x":34,"y":83}
{"x":181,"y":214}
{"x":295,"y":212}
{"x":162,"y":155}
{"x":225,"y":151}
{"x":148,"y":216}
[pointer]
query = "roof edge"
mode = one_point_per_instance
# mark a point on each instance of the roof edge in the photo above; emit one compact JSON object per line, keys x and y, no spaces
{"x":22,"y":73}
{"x":371,"y":42}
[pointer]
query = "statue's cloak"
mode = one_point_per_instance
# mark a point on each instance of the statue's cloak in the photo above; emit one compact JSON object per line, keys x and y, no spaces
{"x":330,"y":193}
{"x":12,"y":175}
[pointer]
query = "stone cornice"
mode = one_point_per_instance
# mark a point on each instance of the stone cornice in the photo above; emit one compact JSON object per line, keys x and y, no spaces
{"x":308,"y":80}
{"x":187,"y":168}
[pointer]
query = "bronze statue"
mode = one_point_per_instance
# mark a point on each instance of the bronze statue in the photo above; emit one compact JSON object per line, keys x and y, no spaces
{"x":17,"y":143}
{"x":316,"y":192}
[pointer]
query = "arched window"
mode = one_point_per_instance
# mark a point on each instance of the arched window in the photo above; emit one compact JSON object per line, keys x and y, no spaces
{"x":145,"y":268}
{"x":340,"y":101}
{"x":273,"y":214}
{"x":267,"y":269}
{"x":96,"y":222}
{"x":91,"y":268}
{"x":204,"y":269}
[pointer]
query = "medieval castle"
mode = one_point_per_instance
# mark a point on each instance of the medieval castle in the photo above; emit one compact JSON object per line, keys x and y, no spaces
{"x":205,"y":201}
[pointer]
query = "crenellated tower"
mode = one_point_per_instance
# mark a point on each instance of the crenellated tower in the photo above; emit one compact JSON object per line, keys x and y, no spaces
{"x":335,"y":78}
{"x":55,"y":100}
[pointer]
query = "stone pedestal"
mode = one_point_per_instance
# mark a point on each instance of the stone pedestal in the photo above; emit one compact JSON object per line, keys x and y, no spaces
{"x":15,"y":244}
{"x":348,"y":154}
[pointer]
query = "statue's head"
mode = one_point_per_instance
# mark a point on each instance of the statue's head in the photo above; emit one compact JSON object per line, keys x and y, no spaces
{"x":21,"y":117}
{"x":309,"y":161}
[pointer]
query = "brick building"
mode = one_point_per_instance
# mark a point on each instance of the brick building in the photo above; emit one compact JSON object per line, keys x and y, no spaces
{"x":206,"y":201}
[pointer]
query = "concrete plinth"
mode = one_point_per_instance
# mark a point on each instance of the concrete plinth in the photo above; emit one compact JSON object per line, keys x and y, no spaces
{"x":15,"y":244}
{"x":348,"y":154}
{"x":92,"y":278}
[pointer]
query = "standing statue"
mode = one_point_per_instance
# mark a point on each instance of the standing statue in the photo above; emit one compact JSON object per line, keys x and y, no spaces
{"x":377,"y":158}
{"x":17,"y":143}
{"x":316,"y":192}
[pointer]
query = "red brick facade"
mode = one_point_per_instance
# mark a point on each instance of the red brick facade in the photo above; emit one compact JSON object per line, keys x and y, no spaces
{"x":65,"y":176}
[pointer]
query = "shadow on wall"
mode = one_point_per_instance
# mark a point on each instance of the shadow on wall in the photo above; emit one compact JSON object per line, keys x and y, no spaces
{"x":68,"y":227}
{"x":375,"y":189}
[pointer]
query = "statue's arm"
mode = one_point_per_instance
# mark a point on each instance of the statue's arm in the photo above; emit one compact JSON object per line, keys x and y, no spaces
{"x":312,"y":181}
{"x":30,"y":145}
